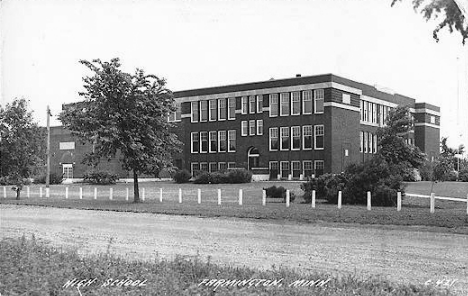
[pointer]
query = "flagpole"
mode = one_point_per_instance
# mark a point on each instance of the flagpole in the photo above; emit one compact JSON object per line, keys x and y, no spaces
{"x":48,"y":148}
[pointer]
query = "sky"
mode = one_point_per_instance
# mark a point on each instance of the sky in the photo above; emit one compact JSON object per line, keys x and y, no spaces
{"x":204,"y":43}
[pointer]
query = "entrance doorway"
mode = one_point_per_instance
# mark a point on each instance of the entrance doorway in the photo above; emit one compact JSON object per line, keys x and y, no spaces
{"x":253,"y":157}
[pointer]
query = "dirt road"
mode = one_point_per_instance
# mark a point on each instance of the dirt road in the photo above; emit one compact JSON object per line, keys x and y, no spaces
{"x":403,"y":254}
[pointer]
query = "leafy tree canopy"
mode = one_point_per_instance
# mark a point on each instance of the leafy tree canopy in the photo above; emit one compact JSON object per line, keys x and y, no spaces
{"x":448,"y":151}
{"x":22,"y":143}
{"x":448,"y":11}
{"x":124,"y":114}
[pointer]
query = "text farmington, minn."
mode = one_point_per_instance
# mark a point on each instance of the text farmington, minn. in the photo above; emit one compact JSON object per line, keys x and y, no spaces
{"x":220,"y":283}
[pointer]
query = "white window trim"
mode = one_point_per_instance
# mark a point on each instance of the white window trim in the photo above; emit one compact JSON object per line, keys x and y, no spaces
{"x":191,"y":142}
{"x":229,"y":100}
{"x":219,"y":165}
{"x":292,"y":104}
{"x":281,"y":138}
{"x":303,"y":137}
{"x":318,"y":99}
{"x":192,"y":164}
{"x":254,"y":109}
{"x":315,"y":136}
{"x":244,"y":123}
{"x":250,"y":128}
{"x":219,"y":108}
{"x":259,"y":102}
{"x":191,"y":111}
{"x":219,"y":141}
{"x":292,"y":138}
{"x":259,"y":130}
{"x":281,"y":104}
{"x":319,"y":161}
{"x":208,"y":142}
{"x":311,"y":166}
{"x":229,"y":141}
{"x":210,"y":165}
{"x":304,"y":101}
{"x":243,"y":100}
{"x":269,"y":138}
{"x":270,"y":97}
{"x":209,"y":110}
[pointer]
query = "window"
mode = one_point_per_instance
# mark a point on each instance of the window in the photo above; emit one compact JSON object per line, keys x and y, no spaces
{"x":366,"y":105}
{"x":244,"y":105}
{"x":195,"y":168}
{"x":244,"y":128}
{"x":433,"y":119}
{"x":369,"y":112}
{"x":274,"y":169}
{"x":222,"y":141}
{"x":319,"y":166}
{"x":251,"y":104}
{"x":231,"y":165}
{"x":67,"y":170}
{"x":361,"y":140}
{"x":296,"y":103}
{"x":284,"y":138}
{"x":252,"y":127}
{"x":195,"y":142}
{"x":346,"y":99}
{"x":194,"y":111}
{"x":204,"y":142}
{"x":362,"y":110}
{"x":318,"y":100}
{"x":232,"y":141}
{"x":296,"y":169}
{"x":67,"y":145}
{"x":203,"y":111}
{"x":296,"y":138}
{"x":175,"y":116}
{"x":273,"y":105}
{"x":307,"y":165}
{"x":259,"y":127}
{"x":307,"y":102}
{"x":213,"y":115}
{"x":365,"y":142}
{"x":374,"y":113}
{"x":285,"y":169}
{"x":213,"y":167}
{"x":231,"y":108}
{"x":259,"y":104}
{"x":284,"y":111}
{"x":371,"y":142}
{"x":204,"y":166}
{"x":222,"y":166}
{"x":273,"y":138}
{"x":319,"y":135}
{"x":379,"y":115}
{"x":213,"y":142}
{"x":307,"y":137}
{"x":221,"y":109}
{"x":375,"y":143}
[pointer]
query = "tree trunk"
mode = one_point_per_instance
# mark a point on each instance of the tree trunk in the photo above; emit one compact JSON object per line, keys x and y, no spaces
{"x":136,"y":192}
{"x":18,"y":190}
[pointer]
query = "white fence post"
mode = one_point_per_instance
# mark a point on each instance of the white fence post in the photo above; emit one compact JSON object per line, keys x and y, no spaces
{"x":313,"y":198}
{"x":199,"y":195}
{"x":467,"y":203}
{"x":339,"y":199}
{"x":95,"y":192}
{"x":240,"y":197}
{"x":264,"y":197}
{"x":142,"y":194}
{"x":160,"y":194}
{"x":432,"y":202}
{"x":369,"y":205}
{"x":399,"y":201}
{"x":4,"y":191}
{"x":40,"y":192}
{"x":180,"y":195}
{"x":47,"y":192}
{"x":219,"y":196}
{"x":127,"y":194}
{"x":111,"y":193}
{"x":81,"y":192}
{"x":66,"y":192}
{"x":288,"y":198}
{"x":278,"y":177}
{"x":28,"y":193}
{"x":289,"y":177}
{"x":301,"y":177}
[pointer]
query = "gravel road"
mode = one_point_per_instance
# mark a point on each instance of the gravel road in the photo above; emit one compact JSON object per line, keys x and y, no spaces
{"x":402,"y":254}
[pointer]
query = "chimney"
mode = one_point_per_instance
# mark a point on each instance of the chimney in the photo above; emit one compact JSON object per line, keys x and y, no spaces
{"x":298,"y":75}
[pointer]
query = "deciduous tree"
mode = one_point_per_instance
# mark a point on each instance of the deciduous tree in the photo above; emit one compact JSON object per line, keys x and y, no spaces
{"x":22,"y":143}
{"x":126,"y":115}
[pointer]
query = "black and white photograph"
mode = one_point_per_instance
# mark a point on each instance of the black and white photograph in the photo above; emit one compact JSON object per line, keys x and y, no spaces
{"x":233,"y":147}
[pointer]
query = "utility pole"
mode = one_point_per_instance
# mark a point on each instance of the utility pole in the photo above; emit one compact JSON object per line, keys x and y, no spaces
{"x":48,"y":152}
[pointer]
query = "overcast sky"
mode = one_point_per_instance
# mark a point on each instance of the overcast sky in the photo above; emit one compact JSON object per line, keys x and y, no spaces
{"x":202,"y":43}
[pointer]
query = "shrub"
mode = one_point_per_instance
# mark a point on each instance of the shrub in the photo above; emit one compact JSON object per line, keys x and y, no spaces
{"x":426,"y":170}
{"x":239,"y":176}
{"x":53,"y":178}
{"x":182,"y":176}
{"x":443,"y":170}
{"x":279,"y":192}
{"x":202,"y":178}
{"x":463,"y":175}
{"x":320,"y":186}
{"x":100,"y":177}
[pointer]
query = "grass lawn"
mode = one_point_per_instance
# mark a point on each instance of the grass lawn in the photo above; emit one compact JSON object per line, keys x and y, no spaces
{"x":415,"y":211}
{"x":29,"y":267}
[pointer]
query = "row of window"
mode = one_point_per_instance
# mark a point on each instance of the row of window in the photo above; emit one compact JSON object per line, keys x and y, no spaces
{"x":213,"y":110}
{"x":294,"y":168}
{"x":196,"y":167}
{"x":374,"y":113}
{"x":252,"y":128}
{"x":290,"y":103}
{"x":213,"y":141}
{"x":368,"y":142}
{"x":290,"y":138}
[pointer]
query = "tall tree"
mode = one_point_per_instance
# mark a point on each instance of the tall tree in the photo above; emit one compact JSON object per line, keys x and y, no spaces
{"x":452,"y":15}
{"x":22,"y":143}
{"x":124,"y":114}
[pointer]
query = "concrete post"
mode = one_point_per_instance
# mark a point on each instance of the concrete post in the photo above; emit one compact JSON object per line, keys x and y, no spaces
{"x":313,"y":199}
{"x":199,"y":195}
{"x":288,"y":198}
{"x":81,"y":192}
{"x":4,"y":191}
{"x":143,"y":194}
{"x":127,"y":194}
{"x":264,"y":197}
{"x":289,"y":177}
{"x":278,"y":177}
{"x":111,"y":193}
{"x":47,"y":192}
{"x":369,"y":200}
{"x":301,"y":177}
{"x":432,"y":203}
{"x":339,"y":199}
{"x":28,"y":192}
{"x":219,"y":197}
{"x":240,"y":197}
{"x":160,"y":194}
{"x":66,"y":192}
{"x":180,"y":195}
{"x":95,"y":192}
{"x":399,"y":201}
{"x":40,"y":192}
{"x":467,"y":203}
